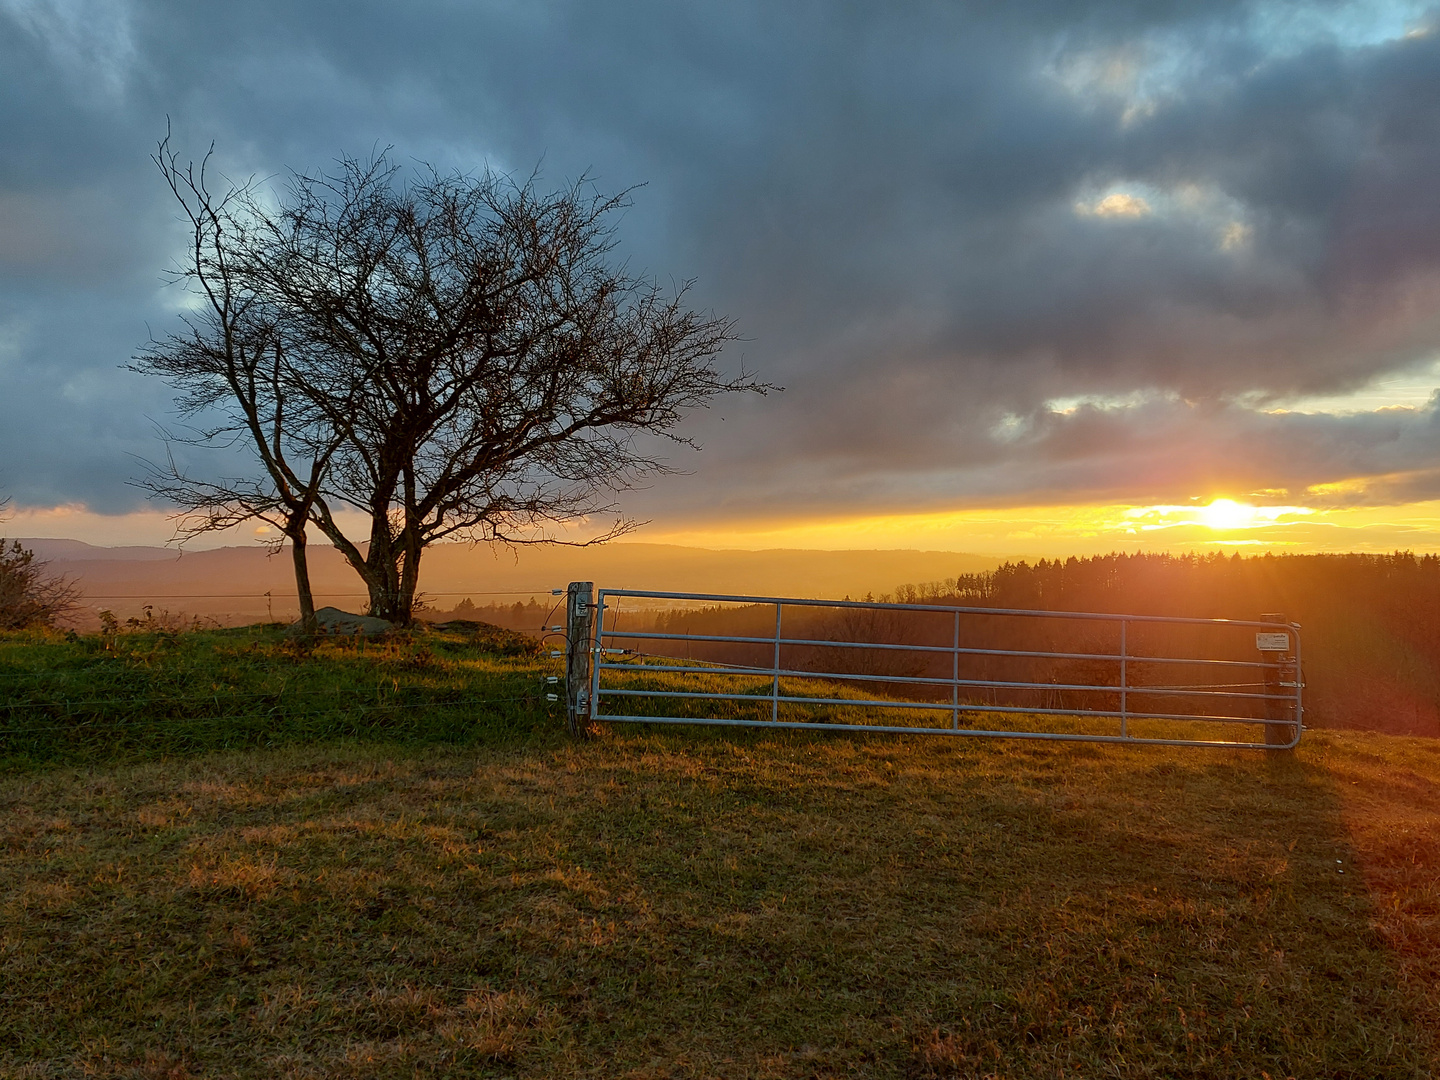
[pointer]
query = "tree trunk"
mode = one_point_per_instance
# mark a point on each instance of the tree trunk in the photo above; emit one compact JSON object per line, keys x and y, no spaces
{"x":409,"y":556}
{"x":382,"y":575}
{"x":392,"y":583}
{"x":390,"y":567}
{"x":370,"y":564}
{"x":302,"y":579}
{"x":409,"y":580}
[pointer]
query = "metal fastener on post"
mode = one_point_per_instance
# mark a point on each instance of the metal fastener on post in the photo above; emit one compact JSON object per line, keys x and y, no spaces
{"x":580,"y":633}
{"x":1280,"y":682}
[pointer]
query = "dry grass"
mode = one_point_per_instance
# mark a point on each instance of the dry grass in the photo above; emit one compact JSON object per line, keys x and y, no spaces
{"x":681,"y":904}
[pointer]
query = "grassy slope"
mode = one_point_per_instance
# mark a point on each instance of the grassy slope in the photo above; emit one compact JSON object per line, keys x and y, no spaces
{"x":721,"y":904}
{"x":154,"y":694}
{"x":770,"y":907}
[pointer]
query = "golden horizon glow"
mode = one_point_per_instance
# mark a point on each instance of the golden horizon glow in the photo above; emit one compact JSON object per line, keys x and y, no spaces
{"x":1050,"y":531}
{"x":1220,"y":515}
{"x":1220,"y":524}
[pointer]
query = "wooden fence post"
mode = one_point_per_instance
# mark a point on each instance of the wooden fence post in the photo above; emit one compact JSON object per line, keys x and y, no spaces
{"x":579,"y":637}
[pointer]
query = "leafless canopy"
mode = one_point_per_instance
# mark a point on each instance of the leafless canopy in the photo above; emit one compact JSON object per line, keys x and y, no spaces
{"x":242,"y":376}
{"x":455,"y":357}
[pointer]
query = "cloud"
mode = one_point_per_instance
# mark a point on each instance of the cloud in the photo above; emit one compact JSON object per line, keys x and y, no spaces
{"x":89,"y":40}
{"x":1117,"y":204}
{"x":930,"y":221}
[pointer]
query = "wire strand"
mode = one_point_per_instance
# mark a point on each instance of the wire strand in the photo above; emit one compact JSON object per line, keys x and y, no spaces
{"x":286,"y":596}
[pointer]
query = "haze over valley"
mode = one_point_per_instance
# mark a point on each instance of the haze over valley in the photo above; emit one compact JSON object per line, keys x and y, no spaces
{"x":228,"y":584}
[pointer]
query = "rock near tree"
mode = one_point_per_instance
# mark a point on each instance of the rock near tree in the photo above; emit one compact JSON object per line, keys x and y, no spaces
{"x":334,"y":622}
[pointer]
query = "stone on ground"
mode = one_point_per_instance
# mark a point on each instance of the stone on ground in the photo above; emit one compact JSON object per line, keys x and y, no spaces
{"x":333,"y":621}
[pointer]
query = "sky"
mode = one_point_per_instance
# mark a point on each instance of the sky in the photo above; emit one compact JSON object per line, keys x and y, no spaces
{"x":1037,"y":278}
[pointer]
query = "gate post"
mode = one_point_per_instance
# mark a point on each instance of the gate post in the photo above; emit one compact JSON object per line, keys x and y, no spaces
{"x":1277,"y":681}
{"x":579,"y":639}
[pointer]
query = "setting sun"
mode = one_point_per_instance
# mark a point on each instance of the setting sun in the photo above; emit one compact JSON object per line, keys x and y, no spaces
{"x":1227,"y":514}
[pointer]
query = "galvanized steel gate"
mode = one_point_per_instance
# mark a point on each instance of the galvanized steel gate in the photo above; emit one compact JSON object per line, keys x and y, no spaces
{"x":847,"y":665}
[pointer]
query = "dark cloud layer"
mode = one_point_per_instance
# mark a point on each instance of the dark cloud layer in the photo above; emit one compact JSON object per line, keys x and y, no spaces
{"x":930,"y":219}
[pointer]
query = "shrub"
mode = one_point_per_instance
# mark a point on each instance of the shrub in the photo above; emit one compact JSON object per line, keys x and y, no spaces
{"x":30,"y":596}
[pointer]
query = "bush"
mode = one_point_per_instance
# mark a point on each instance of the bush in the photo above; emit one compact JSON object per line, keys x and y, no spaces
{"x":30,"y":596}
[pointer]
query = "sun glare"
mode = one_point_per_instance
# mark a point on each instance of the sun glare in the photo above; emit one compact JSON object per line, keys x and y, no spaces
{"x":1227,"y":514}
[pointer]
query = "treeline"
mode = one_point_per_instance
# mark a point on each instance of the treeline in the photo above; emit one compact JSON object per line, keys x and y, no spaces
{"x":1204,"y":586}
{"x":526,"y":616}
{"x":1370,"y":623}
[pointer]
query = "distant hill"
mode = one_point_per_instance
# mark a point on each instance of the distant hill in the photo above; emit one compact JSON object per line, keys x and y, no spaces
{"x":229,"y":584}
{"x":78,"y":550}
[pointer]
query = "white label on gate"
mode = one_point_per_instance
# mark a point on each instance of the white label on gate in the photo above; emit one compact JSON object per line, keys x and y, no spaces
{"x":1272,"y":642}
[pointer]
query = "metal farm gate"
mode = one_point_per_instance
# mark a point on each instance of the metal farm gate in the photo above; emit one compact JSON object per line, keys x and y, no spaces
{"x":859,"y":665}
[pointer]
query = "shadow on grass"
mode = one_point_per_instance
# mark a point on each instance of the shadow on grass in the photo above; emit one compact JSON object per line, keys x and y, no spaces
{"x":703,"y":903}
{"x":1041,"y":910}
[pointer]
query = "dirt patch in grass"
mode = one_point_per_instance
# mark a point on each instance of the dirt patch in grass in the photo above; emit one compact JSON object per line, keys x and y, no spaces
{"x":689,"y":905}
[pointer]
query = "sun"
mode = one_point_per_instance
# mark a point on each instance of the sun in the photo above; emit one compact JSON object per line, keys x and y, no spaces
{"x":1227,"y":514}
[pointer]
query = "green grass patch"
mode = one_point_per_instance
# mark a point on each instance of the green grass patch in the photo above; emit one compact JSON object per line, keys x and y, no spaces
{"x":70,"y":700}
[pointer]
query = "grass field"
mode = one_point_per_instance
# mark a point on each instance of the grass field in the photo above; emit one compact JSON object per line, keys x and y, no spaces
{"x":434,"y":899}
{"x":148,"y":694}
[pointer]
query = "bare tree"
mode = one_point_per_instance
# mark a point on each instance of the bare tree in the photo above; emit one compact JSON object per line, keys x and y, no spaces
{"x":458,"y":357}
{"x":472,"y":361}
{"x":30,"y":595}
{"x":243,"y":377}
{"x":515,"y":364}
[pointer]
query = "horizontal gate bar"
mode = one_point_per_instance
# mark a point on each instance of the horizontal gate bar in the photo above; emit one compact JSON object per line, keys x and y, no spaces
{"x":946,"y":650}
{"x":790,"y":601}
{"x":800,"y":725}
{"x":922,"y":680}
{"x":934,"y":706}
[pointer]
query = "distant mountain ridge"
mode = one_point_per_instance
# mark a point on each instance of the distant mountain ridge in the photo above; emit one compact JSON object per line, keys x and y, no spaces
{"x":77,"y":550}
